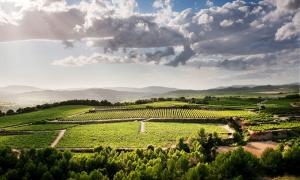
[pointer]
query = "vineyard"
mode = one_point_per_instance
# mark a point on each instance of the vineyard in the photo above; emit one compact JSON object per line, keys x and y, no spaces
{"x":41,"y":127}
{"x":128,"y":135}
{"x":35,"y":140}
{"x":42,"y":115}
{"x":160,"y":113}
{"x":160,"y":123}
{"x":286,"y":125}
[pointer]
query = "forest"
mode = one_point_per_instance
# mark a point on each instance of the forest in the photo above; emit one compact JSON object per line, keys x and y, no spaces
{"x":197,"y":159}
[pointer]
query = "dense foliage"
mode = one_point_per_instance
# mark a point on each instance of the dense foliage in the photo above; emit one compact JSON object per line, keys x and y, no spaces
{"x":147,"y":164}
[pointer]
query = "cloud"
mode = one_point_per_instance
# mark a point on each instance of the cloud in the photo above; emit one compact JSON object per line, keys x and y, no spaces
{"x":245,"y":35}
{"x":289,"y":30}
{"x":68,"y":44}
{"x":209,"y":3}
{"x":285,"y":59}
{"x":183,"y":57}
{"x":226,"y":23}
{"x":95,"y":58}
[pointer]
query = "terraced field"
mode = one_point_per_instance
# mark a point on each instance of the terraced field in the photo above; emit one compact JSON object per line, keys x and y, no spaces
{"x":282,"y":106}
{"x":231,"y":102}
{"x":162,"y":104}
{"x":160,"y":113}
{"x":285,"y":125}
{"x":42,"y":115}
{"x":41,"y":127}
{"x":35,"y":140}
{"x":128,"y":135}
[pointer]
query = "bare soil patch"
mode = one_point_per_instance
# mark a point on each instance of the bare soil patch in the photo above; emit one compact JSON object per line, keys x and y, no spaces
{"x":255,"y":148}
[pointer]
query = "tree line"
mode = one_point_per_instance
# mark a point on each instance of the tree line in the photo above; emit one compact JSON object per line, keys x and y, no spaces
{"x":86,"y":102}
{"x":195,"y":159}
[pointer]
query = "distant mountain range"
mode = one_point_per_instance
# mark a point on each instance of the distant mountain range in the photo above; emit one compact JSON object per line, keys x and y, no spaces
{"x":15,"y":89}
{"x":239,"y":90}
{"x":27,"y":95}
{"x":149,"y":89}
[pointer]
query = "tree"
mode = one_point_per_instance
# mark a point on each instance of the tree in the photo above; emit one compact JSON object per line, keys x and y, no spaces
{"x":291,"y":158}
{"x":1,"y":113}
{"x":236,"y":164}
{"x":271,"y":162}
{"x":180,"y":145}
{"x":10,"y":112}
{"x":199,"y":172}
{"x":208,"y":144}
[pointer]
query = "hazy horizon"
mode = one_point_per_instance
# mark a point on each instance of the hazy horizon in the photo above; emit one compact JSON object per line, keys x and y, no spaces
{"x":138,"y":87}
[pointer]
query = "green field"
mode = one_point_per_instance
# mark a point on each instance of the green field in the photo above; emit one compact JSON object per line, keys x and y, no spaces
{"x":41,"y":127}
{"x":281,"y":106}
{"x":160,"y":113}
{"x":35,"y":140}
{"x":128,"y":135}
{"x":162,"y":104}
{"x":46,"y":114}
{"x":285,"y":125}
{"x":280,"y":102}
{"x":232,"y":102}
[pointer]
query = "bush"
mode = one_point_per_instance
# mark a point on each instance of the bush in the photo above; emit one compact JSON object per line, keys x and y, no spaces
{"x":271,"y":162}
{"x":236,"y":164}
{"x":291,"y":158}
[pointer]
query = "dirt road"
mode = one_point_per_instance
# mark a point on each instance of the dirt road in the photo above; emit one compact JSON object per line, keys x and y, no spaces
{"x":58,"y":138}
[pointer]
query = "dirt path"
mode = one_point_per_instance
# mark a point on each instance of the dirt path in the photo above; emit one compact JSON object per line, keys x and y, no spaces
{"x":230,"y":130}
{"x":142,"y":128}
{"x":255,"y":148}
{"x":58,"y":138}
{"x":295,"y":105}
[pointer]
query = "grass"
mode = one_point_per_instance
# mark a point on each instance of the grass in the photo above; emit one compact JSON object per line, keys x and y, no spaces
{"x":281,"y":106}
{"x":160,"y":113}
{"x":36,"y":140}
{"x":41,"y":127}
{"x":52,"y":113}
{"x":165,"y":134}
{"x":128,"y":135}
{"x":232,"y":102}
{"x":286,"y":125}
{"x":280,"y":102}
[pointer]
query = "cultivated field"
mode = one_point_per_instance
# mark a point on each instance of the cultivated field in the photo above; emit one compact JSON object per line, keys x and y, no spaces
{"x":41,"y":115}
{"x":129,"y":135}
{"x":160,"y":113}
{"x":45,"y":125}
{"x":40,"y":127}
{"x":285,"y":125}
{"x":35,"y":140}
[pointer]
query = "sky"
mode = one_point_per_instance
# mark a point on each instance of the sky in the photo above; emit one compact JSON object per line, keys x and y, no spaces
{"x":189,"y":44}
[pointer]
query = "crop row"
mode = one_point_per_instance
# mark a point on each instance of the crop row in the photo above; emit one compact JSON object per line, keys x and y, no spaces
{"x":286,"y":125}
{"x":128,"y":135}
{"x":160,"y":113}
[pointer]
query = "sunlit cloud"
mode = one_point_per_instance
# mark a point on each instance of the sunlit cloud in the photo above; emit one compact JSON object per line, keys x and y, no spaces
{"x":242,"y":35}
